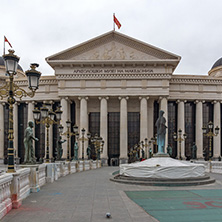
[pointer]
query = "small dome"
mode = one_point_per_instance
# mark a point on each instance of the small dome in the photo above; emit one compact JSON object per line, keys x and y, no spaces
{"x":3,"y":64}
{"x":217,"y":63}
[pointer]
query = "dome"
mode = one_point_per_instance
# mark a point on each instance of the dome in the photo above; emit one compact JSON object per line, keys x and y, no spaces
{"x":3,"y":64}
{"x":217,"y":63}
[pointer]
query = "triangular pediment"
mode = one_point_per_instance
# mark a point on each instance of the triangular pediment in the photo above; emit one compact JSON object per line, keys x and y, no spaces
{"x":113,"y":46}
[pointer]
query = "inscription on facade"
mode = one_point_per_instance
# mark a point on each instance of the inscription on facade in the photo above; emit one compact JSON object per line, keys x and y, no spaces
{"x":111,"y":71}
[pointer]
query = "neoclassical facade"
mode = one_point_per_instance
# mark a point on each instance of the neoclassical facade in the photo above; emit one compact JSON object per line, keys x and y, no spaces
{"x":114,"y":85}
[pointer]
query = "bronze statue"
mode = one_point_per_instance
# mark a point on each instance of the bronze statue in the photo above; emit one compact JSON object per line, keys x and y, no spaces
{"x":28,"y":143}
{"x":169,"y":150}
{"x":76,"y":151}
{"x":59,"y":148}
{"x":194,"y":151}
{"x":88,"y":152}
{"x":161,"y":132}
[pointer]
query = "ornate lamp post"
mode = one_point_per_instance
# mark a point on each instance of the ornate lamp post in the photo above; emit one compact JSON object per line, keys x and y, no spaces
{"x":178,"y":137}
{"x":98,"y":144}
{"x":11,"y":90}
{"x":83,"y":139}
{"x":210,"y":134}
{"x":68,"y":134}
{"x":46,"y":116}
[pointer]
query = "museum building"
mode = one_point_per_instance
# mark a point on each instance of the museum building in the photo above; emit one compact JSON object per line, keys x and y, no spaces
{"x":114,"y":86}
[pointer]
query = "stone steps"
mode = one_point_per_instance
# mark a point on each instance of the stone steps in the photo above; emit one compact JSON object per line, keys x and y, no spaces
{"x":163,"y":182}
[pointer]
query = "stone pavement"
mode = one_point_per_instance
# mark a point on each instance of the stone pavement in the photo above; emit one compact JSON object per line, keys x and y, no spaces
{"x":88,"y":196}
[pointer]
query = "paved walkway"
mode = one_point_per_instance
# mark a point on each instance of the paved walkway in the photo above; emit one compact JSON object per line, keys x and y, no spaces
{"x":88,"y":196}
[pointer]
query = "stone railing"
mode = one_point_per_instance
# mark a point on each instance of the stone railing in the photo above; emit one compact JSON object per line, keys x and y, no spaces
{"x":20,"y":187}
{"x":211,"y":166}
{"x":42,"y":174}
{"x":14,"y":187}
{"x":5,"y":194}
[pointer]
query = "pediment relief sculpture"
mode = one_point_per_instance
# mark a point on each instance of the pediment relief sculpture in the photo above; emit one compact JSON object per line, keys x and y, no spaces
{"x":113,"y":51}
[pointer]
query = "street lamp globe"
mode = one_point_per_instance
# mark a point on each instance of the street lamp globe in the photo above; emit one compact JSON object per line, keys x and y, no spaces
{"x":60,"y":129}
{"x":44,"y":112}
{"x":36,"y":114}
{"x":68,"y":124}
{"x":11,"y":62}
{"x":33,"y":77}
{"x":58,"y":113}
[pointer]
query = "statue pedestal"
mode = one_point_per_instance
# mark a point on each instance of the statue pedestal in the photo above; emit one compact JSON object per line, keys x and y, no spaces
{"x":161,"y":155}
{"x":51,"y":172}
{"x":81,"y":165}
{"x":33,"y":177}
{"x":94,"y":164}
{"x":72,"y":166}
{"x":87,"y":164}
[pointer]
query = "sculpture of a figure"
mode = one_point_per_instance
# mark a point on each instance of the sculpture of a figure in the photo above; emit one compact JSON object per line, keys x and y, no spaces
{"x":143,"y":153}
{"x":194,"y":151}
{"x":137,"y":155}
{"x":59,"y":148}
{"x":98,"y":154}
{"x":28,"y":144}
{"x":150,"y":153}
{"x":169,"y":150}
{"x":88,"y":152}
{"x":76,"y":151}
{"x":161,"y":131}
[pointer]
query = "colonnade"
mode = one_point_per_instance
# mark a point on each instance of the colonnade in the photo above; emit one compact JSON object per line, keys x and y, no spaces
{"x":146,"y":123}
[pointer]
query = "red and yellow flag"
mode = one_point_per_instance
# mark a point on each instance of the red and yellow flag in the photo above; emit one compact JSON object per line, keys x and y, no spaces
{"x":6,"y":40}
{"x":116,"y":21}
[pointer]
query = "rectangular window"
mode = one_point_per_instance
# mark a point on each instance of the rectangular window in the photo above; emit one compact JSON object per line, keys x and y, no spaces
{"x":190,"y":126}
{"x":94,"y":128}
{"x":172,"y":127}
{"x":113,"y":135}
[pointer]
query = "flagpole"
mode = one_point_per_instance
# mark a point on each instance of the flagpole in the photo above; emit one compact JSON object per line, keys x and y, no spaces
{"x":4,"y":46}
{"x":113,"y":22}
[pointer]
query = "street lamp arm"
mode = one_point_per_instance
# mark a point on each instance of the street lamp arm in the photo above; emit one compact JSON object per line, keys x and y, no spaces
{"x":17,"y":91}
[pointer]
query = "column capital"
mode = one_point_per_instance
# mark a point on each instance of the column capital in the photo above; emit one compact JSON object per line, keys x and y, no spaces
{"x":123,"y":97}
{"x":181,"y":100}
{"x":83,"y":97}
{"x":215,"y":101}
{"x":103,"y":97}
{"x":144,"y":97}
{"x":199,"y":101}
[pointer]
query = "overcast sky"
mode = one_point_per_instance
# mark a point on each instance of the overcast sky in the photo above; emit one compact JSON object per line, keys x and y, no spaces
{"x":191,"y":29}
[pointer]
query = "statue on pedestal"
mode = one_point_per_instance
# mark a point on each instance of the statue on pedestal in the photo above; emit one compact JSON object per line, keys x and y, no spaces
{"x":88,"y":152}
{"x":194,"y":151}
{"x":161,"y":132}
{"x":98,"y":154}
{"x":59,"y":148}
{"x":143,"y":153}
{"x":169,"y":150}
{"x":76,"y":151}
{"x":28,"y":144}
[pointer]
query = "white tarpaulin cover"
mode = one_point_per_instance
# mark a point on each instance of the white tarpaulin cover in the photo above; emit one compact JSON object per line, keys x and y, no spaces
{"x":163,"y":167}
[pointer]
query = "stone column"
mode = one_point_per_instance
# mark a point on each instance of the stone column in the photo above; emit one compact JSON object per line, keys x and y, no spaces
{"x":15,"y":128}
{"x":83,"y":124}
{"x":65,"y":117}
{"x":199,"y":131}
{"x":181,"y":125}
{"x":123,"y":130}
{"x":104,"y":128}
{"x":164,"y":107}
{"x":143,"y":118}
{"x":150,"y":119}
{"x":1,"y":133}
{"x":217,"y":139}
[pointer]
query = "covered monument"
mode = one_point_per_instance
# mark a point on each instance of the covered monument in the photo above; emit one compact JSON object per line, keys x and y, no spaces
{"x":162,"y":169}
